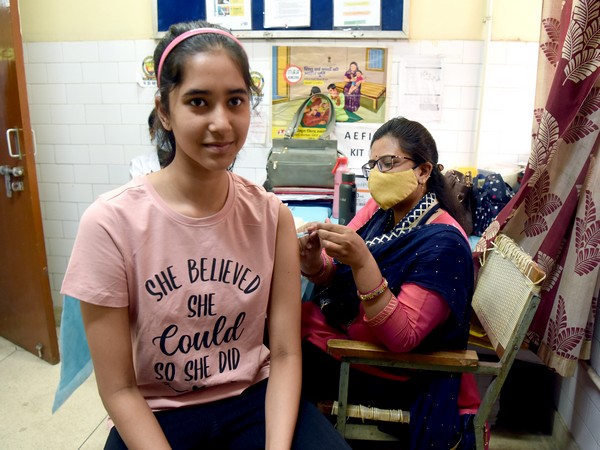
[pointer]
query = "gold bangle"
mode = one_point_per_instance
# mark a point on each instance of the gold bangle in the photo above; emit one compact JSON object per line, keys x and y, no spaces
{"x":373,"y":293}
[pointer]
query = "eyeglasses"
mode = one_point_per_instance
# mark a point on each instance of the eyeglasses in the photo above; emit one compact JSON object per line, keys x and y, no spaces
{"x":384,"y":164}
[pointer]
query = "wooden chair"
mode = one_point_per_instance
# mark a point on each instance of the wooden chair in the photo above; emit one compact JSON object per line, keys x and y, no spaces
{"x":505,"y":301}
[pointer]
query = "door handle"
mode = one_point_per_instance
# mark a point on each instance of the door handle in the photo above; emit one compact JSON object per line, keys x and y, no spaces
{"x":9,"y":142}
{"x":15,"y":172}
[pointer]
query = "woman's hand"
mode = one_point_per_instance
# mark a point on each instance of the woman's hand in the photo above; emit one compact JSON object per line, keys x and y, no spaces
{"x":341,"y":243}
{"x":345,"y":245}
{"x":310,"y":248}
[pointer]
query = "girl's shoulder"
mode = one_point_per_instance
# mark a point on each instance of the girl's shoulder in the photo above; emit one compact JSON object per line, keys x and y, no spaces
{"x":247,"y":189}
{"x":127,"y":200}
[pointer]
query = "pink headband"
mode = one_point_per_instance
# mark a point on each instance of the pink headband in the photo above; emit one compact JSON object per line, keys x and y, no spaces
{"x":183,"y":37}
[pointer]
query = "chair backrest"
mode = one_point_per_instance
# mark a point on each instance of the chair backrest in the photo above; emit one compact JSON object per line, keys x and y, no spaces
{"x":507,"y":283}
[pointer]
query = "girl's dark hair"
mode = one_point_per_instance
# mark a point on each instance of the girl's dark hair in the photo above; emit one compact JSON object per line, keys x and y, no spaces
{"x":157,"y":137}
{"x":416,"y":141}
{"x":173,"y":68}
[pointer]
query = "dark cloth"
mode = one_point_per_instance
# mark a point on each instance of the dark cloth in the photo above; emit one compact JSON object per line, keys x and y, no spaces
{"x":237,"y":423}
{"x":436,"y":257}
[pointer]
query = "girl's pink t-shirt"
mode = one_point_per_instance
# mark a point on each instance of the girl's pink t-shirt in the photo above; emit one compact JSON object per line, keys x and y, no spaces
{"x":197,"y":289}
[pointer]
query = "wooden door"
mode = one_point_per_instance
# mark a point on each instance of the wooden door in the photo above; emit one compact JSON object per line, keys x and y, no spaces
{"x":26,"y":310}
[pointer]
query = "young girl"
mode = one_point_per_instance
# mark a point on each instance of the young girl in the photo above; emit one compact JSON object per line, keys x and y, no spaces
{"x":179,"y":271}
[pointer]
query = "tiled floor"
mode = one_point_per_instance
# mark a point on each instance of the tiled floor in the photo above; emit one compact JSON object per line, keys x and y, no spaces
{"x":27,"y":386}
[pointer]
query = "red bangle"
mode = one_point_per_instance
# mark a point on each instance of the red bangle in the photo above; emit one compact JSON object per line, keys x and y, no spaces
{"x":320,"y":272}
{"x":365,"y":297}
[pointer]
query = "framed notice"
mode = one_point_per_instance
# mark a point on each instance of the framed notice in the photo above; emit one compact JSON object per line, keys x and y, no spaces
{"x":287,"y":14}
{"x":232,"y":14}
{"x":348,"y":14}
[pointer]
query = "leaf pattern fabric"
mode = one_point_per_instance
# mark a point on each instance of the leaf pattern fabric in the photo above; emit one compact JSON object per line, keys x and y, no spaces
{"x":554,"y":215}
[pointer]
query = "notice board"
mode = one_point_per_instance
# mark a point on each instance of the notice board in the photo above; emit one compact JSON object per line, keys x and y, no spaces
{"x":393,"y":20}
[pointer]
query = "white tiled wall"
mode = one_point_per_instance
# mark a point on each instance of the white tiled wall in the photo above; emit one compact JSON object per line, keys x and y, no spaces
{"x":579,"y":407}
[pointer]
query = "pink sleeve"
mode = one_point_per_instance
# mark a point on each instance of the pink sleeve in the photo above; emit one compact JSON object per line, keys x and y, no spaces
{"x":96,"y":272}
{"x":408,"y":318}
{"x":363,"y":214}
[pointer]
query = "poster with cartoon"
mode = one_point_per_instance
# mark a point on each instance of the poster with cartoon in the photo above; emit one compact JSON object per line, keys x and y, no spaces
{"x":354,"y":78}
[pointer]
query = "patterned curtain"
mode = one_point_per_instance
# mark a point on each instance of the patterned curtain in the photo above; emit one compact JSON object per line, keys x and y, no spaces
{"x":554,"y":215}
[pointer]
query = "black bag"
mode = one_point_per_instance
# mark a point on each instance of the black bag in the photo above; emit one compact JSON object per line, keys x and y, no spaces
{"x":491,"y":194}
{"x":294,"y":162}
{"x":461,"y":188}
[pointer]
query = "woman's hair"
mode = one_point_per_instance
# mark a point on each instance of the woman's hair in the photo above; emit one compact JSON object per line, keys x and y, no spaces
{"x":172,"y":71}
{"x":332,"y":86}
{"x":315,"y":90}
{"x":416,"y":141}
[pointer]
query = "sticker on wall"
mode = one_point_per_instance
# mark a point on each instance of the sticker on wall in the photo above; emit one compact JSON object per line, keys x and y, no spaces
{"x":354,"y":141}
{"x":292,"y":74}
{"x":258,"y":80}
{"x":260,"y":115}
{"x":146,"y":77}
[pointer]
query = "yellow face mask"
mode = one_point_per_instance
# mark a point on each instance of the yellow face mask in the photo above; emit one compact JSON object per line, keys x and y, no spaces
{"x":390,"y":188}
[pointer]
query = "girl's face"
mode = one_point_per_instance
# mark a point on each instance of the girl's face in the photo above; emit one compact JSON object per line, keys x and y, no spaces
{"x":333,"y":93}
{"x":209,"y":111}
